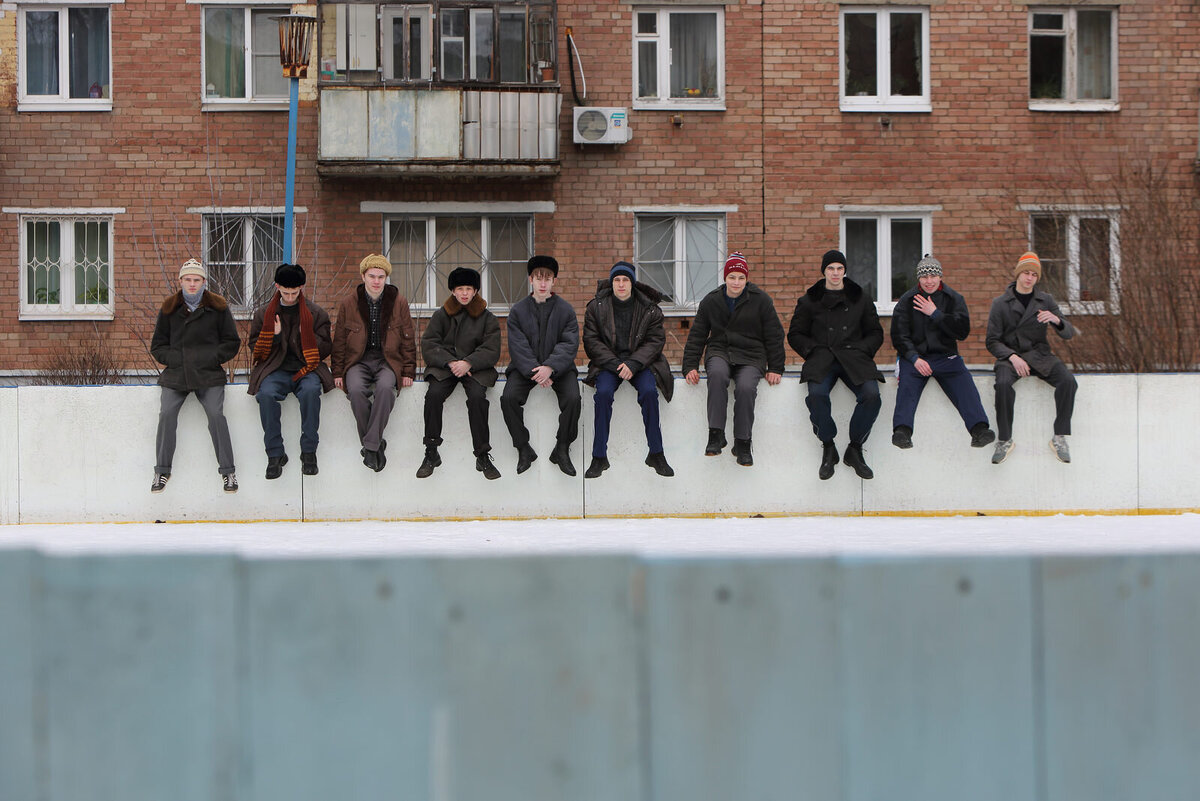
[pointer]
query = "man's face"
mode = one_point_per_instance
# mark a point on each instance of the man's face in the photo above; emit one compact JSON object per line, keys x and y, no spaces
{"x":288,"y":295}
{"x":835,"y":275}
{"x":374,"y":280}
{"x":930,"y":283}
{"x":735,"y":282}
{"x":622,"y":287}
{"x":191,"y":284}
{"x":1026,"y":280}
{"x":541,"y":281}
{"x":464,"y":294}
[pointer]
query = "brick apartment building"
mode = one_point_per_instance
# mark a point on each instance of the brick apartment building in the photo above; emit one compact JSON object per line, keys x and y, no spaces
{"x":444,"y":133}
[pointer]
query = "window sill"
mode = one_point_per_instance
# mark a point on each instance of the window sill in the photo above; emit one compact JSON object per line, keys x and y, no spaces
{"x":1070,"y":105}
{"x":889,"y":106}
{"x":33,"y":316}
{"x":244,"y":105}
{"x":64,"y":105}
{"x":885,"y":309}
{"x":678,"y":104}
{"x":1089,"y":307}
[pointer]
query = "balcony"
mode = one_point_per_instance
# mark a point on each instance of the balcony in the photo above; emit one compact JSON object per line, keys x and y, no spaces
{"x":438,"y":133}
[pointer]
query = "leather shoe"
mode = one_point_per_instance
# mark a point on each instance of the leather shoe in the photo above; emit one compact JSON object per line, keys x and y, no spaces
{"x":829,"y":458}
{"x":525,"y":457}
{"x":599,"y":465}
{"x":659,"y":462}
{"x":275,"y":465}
{"x":561,"y":456}
{"x":308,"y":464}
{"x":854,"y":458}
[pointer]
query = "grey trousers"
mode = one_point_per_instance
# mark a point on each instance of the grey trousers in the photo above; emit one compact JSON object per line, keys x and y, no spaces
{"x":745,"y":391}
{"x":213,"y":401}
{"x":371,"y":376}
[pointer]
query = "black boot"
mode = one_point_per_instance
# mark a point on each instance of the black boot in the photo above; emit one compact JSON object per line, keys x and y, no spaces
{"x":308,"y":464}
{"x":741,"y":449}
{"x":981,"y":435}
{"x":484,"y":465}
{"x":525,"y":458}
{"x":599,"y":465}
{"x":275,"y":465}
{"x":902,"y":437}
{"x":716,"y":441}
{"x":659,"y":462}
{"x":829,"y":458}
{"x":431,"y":460}
{"x":854,"y":458}
{"x":561,"y":456}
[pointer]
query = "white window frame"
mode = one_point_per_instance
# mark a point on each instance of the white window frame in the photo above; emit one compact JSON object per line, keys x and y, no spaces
{"x":264,"y":103}
{"x":664,"y":101}
{"x":247,"y":215}
{"x":406,"y":12}
{"x":681,"y":215}
{"x":883,"y":62}
{"x":66,"y":308}
{"x":1072,"y":304}
{"x":62,"y":101}
{"x":1070,"y":102}
{"x":883,"y":216}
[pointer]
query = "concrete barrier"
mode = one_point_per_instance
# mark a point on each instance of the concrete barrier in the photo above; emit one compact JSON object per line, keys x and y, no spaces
{"x":86,"y":454}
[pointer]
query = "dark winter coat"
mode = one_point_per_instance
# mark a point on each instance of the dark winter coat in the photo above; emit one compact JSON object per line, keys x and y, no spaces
{"x":752,"y":334}
{"x":193,"y":345}
{"x":1014,"y":328}
{"x":555,"y":346}
{"x":395,"y":327}
{"x":827,"y":328}
{"x":291,"y":335}
{"x":916,"y":335}
{"x":468,"y":332}
{"x":646,"y":335}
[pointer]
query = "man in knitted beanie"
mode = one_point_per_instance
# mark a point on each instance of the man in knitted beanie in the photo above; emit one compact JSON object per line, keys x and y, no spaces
{"x":291,"y":340}
{"x":374,"y":354}
{"x":194,"y":336}
{"x":927,"y":324}
{"x":1016,"y":336}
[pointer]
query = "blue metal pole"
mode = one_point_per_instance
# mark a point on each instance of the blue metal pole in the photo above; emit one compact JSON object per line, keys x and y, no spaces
{"x":293,"y":103}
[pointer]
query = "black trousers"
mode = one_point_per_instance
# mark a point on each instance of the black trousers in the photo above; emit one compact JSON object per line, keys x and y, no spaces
{"x":1059,"y":377}
{"x":516,"y":392}
{"x":477,"y":411}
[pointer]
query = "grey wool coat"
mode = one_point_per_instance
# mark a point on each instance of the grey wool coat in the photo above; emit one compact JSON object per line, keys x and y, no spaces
{"x":1014,"y":328}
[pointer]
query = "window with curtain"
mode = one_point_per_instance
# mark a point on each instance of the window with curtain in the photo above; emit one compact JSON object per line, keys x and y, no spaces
{"x":64,"y":55}
{"x":679,"y":57}
{"x":241,"y":54}
{"x":882,"y":250}
{"x":1080,"y":255}
{"x":1072,"y":58}
{"x":883,"y":58}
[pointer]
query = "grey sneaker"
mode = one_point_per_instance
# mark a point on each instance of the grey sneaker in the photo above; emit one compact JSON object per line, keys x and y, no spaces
{"x":1003,"y":449}
{"x":160,"y":482}
{"x":1058,"y":444}
{"x":230,"y":482}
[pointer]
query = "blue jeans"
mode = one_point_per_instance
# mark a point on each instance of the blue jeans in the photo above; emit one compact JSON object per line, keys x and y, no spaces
{"x":955,"y":380}
{"x":820,"y":409}
{"x":274,"y":388}
{"x":606,"y":386}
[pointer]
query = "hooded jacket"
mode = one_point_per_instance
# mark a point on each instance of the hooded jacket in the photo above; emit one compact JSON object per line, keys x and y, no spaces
{"x":752,"y":334}
{"x":193,"y":346}
{"x":646,"y":335}
{"x":456,"y":332}
{"x":395,"y":326}
{"x":1013,"y":327}
{"x":841,"y":327}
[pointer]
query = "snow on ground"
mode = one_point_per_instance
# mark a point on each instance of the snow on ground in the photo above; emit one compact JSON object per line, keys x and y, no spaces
{"x":664,"y":538}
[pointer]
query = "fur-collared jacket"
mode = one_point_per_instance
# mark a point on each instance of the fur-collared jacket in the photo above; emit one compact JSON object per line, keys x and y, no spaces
{"x":456,"y":332}
{"x":395,"y":327}
{"x":1013,"y":327}
{"x":646,"y":335}
{"x":916,"y":335}
{"x":290,"y":337}
{"x":752,"y":334}
{"x":531,"y":345}
{"x":192,"y":346}
{"x":841,"y":327}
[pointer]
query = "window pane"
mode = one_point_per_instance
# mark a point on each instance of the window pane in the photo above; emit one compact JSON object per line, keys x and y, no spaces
{"x":225,"y":257}
{"x":1046,"y":66}
{"x":42,"y":262}
{"x":860,"y":55}
{"x":268,"y":75}
{"x":224,"y":52}
{"x":91,"y":262}
{"x":647,"y":69}
{"x":1048,"y":22}
{"x":1050,"y":243}
{"x":481,"y":45}
{"x":647,"y":22}
{"x":265,"y":255}
{"x":906,"y":54}
{"x":87,"y":38}
{"x":418,"y":48}
{"x":656,"y":254}
{"x":453,"y":46}
{"x":1095,"y":262}
{"x":512,"y":47}
{"x":1094,"y":64}
{"x":41,"y":52}
{"x":694,"y":55}
{"x":508,"y":252}
{"x":862,"y":251}
{"x":701,"y":249}
{"x":906,"y":252}
{"x":406,"y":252}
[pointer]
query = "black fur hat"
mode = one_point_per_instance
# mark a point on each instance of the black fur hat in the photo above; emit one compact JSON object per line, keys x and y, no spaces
{"x":463,"y":276}
{"x":548,"y":262}
{"x":290,"y":276}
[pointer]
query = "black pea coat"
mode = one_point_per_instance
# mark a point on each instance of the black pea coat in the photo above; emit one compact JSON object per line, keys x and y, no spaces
{"x":841,"y":327}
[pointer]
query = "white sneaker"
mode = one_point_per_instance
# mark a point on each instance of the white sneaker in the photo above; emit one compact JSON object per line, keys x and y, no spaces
{"x":1003,"y":449}
{"x":1058,"y":444}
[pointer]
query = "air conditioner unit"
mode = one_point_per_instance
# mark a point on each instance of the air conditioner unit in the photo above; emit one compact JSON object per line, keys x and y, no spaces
{"x":601,"y":126}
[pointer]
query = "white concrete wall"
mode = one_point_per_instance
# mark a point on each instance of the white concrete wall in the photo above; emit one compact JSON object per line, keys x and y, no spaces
{"x":87,"y":453}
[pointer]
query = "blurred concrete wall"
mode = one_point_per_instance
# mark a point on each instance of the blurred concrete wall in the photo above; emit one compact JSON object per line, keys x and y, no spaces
{"x":87,"y":454}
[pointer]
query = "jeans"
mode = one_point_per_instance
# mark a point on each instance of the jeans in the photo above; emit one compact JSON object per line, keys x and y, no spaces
{"x":607,"y":383}
{"x":820,"y":410}
{"x":273,"y":389}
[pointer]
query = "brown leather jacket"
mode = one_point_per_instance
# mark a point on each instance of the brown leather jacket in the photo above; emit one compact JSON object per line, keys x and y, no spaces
{"x":395,"y":324}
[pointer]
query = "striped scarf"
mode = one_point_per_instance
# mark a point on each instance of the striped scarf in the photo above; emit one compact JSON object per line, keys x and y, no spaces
{"x":308,"y":336}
